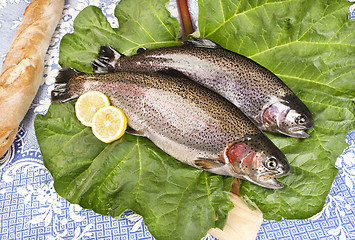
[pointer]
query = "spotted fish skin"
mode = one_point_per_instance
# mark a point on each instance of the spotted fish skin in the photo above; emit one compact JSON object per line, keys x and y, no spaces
{"x":259,"y":93}
{"x":186,"y":120}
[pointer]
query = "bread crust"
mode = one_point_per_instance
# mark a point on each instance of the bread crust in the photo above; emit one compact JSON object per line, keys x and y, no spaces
{"x":22,"y":70}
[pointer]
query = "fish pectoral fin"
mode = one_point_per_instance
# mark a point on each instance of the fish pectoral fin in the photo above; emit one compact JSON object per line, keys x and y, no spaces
{"x":139,"y":133}
{"x":106,"y":60}
{"x":208,"y":163}
{"x":201,"y":42}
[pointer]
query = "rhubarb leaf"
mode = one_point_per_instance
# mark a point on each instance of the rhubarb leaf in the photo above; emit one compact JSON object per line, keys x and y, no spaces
{"x":308,"y":44}
{"x":143,"y":24}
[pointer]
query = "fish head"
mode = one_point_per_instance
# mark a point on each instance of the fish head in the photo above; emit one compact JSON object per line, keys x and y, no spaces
{"x":258,"y":160}
{"x":288,"y":116}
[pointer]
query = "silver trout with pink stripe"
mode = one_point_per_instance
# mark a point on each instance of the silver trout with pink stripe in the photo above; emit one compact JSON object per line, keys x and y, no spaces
{"x":186,"y":120}
{"x":259,"y":93}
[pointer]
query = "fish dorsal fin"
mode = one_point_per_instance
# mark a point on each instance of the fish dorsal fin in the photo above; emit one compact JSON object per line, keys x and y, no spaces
{"x":141,"y":50}
{"x":106,"y":61}
{"x":201,"y":42}
{"x":208,"y":163}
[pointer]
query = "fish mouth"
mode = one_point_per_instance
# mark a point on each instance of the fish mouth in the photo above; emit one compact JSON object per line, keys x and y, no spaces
{"x":269,"y":180}
{"x":266,"y":180}
{"x":272,"y":183}
{"x":296,"y":132}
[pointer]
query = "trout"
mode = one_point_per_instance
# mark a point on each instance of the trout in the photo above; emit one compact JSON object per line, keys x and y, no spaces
{"x":259,"y":93}
{"x":186,"y":120}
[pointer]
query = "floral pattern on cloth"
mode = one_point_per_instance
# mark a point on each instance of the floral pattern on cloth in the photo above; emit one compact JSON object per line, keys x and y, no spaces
{"x":31,"y":209}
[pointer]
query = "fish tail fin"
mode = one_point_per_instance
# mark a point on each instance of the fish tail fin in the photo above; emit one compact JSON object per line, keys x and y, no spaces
{"x":61,"y":92}
{"x":106,"y":60}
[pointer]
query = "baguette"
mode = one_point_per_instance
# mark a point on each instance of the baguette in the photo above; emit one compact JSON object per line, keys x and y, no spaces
{"x":21,"y":73}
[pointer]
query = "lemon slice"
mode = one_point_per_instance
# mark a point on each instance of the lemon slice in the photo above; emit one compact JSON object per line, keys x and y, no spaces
{"x":109,"y":124}
{"x":88,"y":104}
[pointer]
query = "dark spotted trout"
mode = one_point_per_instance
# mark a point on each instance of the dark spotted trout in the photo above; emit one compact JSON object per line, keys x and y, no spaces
{"x":186,"y":120}
{"x":259,"y":93}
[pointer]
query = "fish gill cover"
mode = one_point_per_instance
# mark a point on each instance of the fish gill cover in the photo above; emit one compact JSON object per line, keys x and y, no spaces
{"x":307,"y":44}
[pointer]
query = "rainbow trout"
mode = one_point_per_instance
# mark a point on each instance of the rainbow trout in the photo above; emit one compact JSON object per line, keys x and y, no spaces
{"x":259,"y":93}
{"x":186,"y":120}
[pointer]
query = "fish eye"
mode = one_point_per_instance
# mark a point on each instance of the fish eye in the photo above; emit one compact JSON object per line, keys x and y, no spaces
{"x":271,"y":163}
{"x":300,"y":119}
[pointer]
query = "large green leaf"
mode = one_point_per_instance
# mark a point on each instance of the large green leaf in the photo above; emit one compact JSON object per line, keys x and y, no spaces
{"x":310,"y":45}
{"x":177,"y":201}
{"x":142,"y":24}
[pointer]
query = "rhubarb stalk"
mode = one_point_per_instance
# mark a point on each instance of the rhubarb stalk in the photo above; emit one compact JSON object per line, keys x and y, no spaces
{"x":185,"y":18}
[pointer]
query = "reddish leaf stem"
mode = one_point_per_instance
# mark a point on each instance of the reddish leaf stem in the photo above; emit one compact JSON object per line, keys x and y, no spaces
{"x":185,"y":18}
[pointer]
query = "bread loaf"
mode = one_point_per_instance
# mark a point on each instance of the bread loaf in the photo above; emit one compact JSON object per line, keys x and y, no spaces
{"x":22,"y":70}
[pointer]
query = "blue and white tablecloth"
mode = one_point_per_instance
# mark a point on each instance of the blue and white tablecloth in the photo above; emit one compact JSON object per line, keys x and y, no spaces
{"x":31,"y":209}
